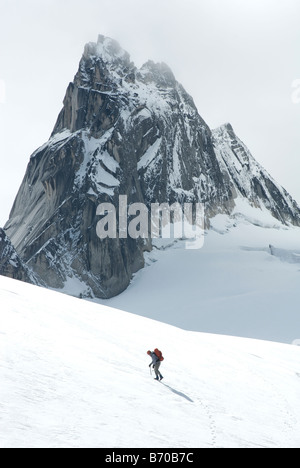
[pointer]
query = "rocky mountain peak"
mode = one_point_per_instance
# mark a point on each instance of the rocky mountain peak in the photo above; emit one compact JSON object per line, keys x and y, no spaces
{"x":103,"y":70}
{"x":160,"y":73}
{"x":249,"y":179}
{"x":133,"y":133}
{"x":225,"y":129}
{"x":107,"y":49}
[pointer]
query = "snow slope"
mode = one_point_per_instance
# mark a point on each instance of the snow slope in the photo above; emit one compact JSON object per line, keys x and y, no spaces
{"x":75,"y":374}
{"x":243,"y":282}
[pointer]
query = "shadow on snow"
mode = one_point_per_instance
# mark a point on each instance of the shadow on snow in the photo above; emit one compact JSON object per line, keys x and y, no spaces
{"x":178,"y":393}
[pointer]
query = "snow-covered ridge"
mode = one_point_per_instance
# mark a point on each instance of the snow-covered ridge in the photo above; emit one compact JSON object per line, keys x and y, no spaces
{"x":75,"y":375}
{"x":249,"y":179}
{"x":57,"y":138}
{"x":98,"y":166}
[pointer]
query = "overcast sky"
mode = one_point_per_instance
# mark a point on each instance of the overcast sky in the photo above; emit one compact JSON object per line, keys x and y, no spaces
{"x":239,"y":59}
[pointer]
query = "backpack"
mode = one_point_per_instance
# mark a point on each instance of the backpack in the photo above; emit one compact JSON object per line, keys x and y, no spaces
{"x":159,"y":354}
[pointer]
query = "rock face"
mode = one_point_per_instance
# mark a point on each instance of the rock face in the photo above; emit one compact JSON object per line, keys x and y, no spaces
{"x":11,"y":265}
{"x":133,"y":132}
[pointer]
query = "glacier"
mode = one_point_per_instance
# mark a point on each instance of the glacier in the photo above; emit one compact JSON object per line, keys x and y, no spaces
{"x":75,"y":375}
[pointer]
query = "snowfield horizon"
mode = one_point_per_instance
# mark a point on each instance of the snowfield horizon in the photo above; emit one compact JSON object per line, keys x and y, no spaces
{"x":243,"y":282}
{"x":75,"y":374}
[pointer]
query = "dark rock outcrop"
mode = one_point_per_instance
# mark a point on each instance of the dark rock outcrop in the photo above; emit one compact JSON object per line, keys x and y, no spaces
{"x":11,"y":265}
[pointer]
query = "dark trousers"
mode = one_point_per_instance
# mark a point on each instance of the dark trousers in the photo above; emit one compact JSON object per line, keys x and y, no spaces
{"x":156,"y":370}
